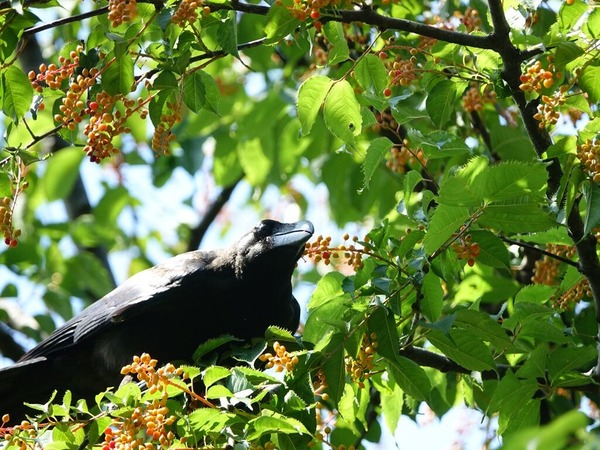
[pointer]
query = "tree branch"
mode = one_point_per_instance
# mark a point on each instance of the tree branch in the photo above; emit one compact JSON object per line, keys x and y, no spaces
{"x":198,"y":232}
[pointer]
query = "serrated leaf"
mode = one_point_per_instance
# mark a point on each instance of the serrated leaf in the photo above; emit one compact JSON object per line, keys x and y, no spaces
{"x":445,"y":221}
{"x":334,"y":367}
{"x":212,"y":374}
{"x":565,"y":360}
{"x":371,"y":74}
{"x":565,"y":53}
{"x":592,"y":24}
{"x":212,"y":344}
{"x":589,"y":81}
{"x":381,"y":321}
{"x":165,"y":80}
{"x":210,"y":420}
{"x":484,"y":327}
{"x":440,"y":102}
{"x":543,"y":331}
{"x":280,"y":23}
{"x":433,"y":295}
{"x":117,"y":77}
{"x":375,"y":153}
{"x":411,"y":378}
{"x":279,"y":334}
{"x":464,"y":188}
{"x":272,"y":422}
{"x":17,"y":93}
{"x":492,"y":250}
{"x":324,"y":320}
{"x":227,"y":34}
{"x":194,"y":94}
{"x":328,"y":288}
{"x":211,"y":90}
{"x":341,"y":111}
{"x":311,"y":96}
{"x":339,"y":52}
{"x":464,"y":348}
{"x":255,"y":162}
{"x":517,"y":217}
{"x":513,"y":180}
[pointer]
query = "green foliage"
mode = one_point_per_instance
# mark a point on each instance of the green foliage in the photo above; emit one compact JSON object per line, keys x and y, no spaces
{"x":467,"y":160}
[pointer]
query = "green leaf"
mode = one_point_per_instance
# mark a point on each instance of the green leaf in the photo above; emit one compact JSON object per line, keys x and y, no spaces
{"x":213,"y":95}
{"x":311,"y":96}
{"x":433,"y":295}
{"x":440,"y":102}
{"x":117,"y":77}
{"x":589,"y":81}
{"x":112,"y":203}
{"x":592,"y":24}
{"x":542,"y":331}
{"x":61,"y":173}
{"x":535,"y":293}
{"x":210,"y":420}
{"x":554,"y":436}
{"x":213,"y":374}
{"x":493,"y":251}
{"x":464,"y":187}
{"x":328,"y":288}
{"x":520,"y":216}
{"x":381,"y":322}
{"x":511,"y":180}
{"x":194,"y":94}
{"x":273,"y":422}
{"x":375,"y":153}
{"x":342,"y":112}
{"x":334,"y":367}
{"x":464,"y":348}
{"x":165,"y":80}
{"x":255,"y":162}
{"x":445,"y":221}
{"x":339,"y":52}
{"x":565,"y":53}
{"x":327,"y":318}
{"x":592,"y":207}
{"x":280,"y":23}
{"x":227,"y":34}
{"x":484,"y":327}
{"x":565,"y":360}
{"x":17,"y":94}
{"x":411,"y":378}
{"x":371,"y":74}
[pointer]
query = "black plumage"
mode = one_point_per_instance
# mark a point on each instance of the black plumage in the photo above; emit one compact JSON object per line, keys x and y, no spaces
{"x":166,"y":311}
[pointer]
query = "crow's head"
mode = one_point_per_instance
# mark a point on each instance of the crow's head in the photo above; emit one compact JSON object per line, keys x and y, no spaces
{"x":271,"y":249}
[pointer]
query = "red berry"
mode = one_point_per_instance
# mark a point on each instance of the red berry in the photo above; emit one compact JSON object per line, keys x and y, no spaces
{"x":387,"y":92}
{"x":93,"y":106}
{"x":383,"y":55}
{"x":315,"y":14}
{"x":318,"y":25}
{"x":471,"y":262}
{"x":326,"y":255}
{"x":7,"y":241}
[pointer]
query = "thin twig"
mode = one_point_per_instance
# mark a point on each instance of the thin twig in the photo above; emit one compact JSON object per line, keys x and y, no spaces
{"x":568,"y":261}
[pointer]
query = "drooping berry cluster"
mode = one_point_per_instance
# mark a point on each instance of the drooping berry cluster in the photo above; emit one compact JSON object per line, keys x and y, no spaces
{"x":589,"y":155}
{"x":402,"y":158}
{"x":73,"y":107}
{"x":473,"y":100}
{"x":144,"y":368}
{"x":548,"y":110}
{"x":321,"y":251}
{"x":575,"y":293}
{"x":163,"y":132}
{"x":546,"y":269}
{"x":359,"y":368}
{"x":403,"y":71}
{"x":10,"y":233}
{"x":466,"y":249}
{"x":23,"y":436}
{"x":536,"y":78}
{"x":281,"y":360}
{"x":121,"y":11}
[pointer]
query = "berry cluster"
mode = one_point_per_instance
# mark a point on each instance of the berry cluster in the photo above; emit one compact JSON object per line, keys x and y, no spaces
{"x":146,"y":422}
{"x":281,"y":360}
{"x":569,"y":298}
{"x":11,"y":234}
{"x":402,"y":72}
{"x":268,"y":446}
{"x":73,"y":107}
{"x":360,"y":368}
{"x":187,"y":12}
{"x":22,"y":436}
{"x":536,"y":78}
{"x":163,"y":134}
{"x":473,"y":100}
{"x":385,"y":121}
{"x":303,"y":9}
{"x":470,"y":19}
{"x":401,"y":158}
{"x":144,"y":367}
{"x":53,"y":75}
{"x":319,"y":387}
{"x":589,"y":155}
{"x":121,"y":11}
{"x":466,"y":249}
{"x":321,"y":250}
{"x":547,"y":111}
{"x":546,"y":269}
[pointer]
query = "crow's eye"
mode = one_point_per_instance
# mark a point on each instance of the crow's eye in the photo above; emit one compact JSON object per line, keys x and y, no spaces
{"x":264,"y":229}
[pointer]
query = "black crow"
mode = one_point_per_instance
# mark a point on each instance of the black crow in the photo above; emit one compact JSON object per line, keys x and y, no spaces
{"x":166,"y":311}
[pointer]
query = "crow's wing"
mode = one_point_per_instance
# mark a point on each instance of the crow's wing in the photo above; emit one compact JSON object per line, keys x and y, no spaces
{"x":146,"y":290}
